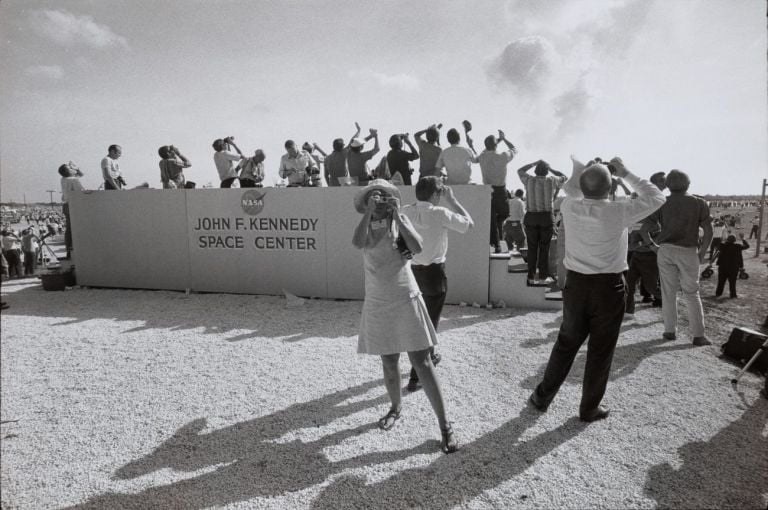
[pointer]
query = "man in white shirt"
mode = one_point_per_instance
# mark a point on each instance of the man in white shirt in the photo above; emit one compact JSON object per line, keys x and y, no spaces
{"x":225,"y":160}
{"x":70,"y":182}
{"x":456,"y":160}
{"x":296,"y":165}
{"x":432,"y":222}
{"x":110,"y":169}
{"x":595,"y":293}
{"x":513,"y":231}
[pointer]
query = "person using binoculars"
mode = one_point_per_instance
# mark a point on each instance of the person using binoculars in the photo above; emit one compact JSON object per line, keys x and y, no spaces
{"x":172,"y":165}
{"x":225,"y":160}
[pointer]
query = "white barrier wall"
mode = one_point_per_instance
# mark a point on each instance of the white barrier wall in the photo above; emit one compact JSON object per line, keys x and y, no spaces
{"x":251,"y":241}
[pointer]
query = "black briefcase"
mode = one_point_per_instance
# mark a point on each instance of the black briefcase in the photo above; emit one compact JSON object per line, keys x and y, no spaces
{"x":743,"y":344}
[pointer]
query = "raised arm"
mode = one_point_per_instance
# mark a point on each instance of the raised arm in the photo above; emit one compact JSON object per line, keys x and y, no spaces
{"x":413,"y":150}
{"x":318,"y":149}
{"x":456,"y":207}
{"x":357,"y":133}
{"x":571,"y":187}
{"x":413,"y":240}
{"x":185,"y":163}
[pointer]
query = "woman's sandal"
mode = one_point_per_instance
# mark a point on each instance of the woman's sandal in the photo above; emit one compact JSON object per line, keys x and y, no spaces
{"x":449,"y":444}
{"x":387,"y":421}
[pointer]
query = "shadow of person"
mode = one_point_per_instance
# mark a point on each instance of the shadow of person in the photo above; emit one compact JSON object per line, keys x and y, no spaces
{"x":455,"y":479}
{"x":251,"y":459}
{"x":712,"y":474}
{"x":626,"y":359}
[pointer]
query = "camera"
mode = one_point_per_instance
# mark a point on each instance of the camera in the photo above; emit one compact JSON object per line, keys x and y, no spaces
{"x":311,"y":170}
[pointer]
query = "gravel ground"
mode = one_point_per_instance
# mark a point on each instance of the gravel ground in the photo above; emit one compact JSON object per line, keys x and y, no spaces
{"x":150,"y":399}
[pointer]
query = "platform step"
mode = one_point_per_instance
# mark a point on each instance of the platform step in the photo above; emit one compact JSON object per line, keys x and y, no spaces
{"x":499,"y":256}
{"x":517,"y":267}
{"x":554,"y":296}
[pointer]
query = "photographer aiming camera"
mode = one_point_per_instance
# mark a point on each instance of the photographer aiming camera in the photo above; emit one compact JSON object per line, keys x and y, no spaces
{"x":172,"y":164}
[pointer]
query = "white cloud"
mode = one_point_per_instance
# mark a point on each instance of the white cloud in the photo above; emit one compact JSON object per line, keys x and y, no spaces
{"x":66,"y":28}
{"x":525,"y":65}
{"x":50,"y":72}
{"x":572,"y":108}
{"x":402,"y":81}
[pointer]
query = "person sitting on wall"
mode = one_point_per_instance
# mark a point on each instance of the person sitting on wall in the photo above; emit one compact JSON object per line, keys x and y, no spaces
{"x":457,"y":160}
{"x":225,"y":160}
{"x":398,"y":159}
{"x":429,"y":150}
{"x":252,"y":170}
{"x":296,"y":165}
{"x":172,"y":165}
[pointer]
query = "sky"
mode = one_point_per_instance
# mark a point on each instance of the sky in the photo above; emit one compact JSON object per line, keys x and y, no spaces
{"x":662,"y":83}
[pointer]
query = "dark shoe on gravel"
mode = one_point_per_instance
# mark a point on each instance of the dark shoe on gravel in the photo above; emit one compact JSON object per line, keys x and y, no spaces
{"x":701,"y":341}
{"x":596,"y":414}
{"x":535,"y":402}
{"x":669,"y":336}
{"x":449,"y":443}
{"x":387,"y":421}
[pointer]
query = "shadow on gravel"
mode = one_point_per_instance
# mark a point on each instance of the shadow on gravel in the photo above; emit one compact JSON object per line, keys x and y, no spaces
{"x":456,"y":479}
{"x":626,"y":359}
{"x":249,"y":459}
{"x":203,"y":312}
{"x":712,"y":475}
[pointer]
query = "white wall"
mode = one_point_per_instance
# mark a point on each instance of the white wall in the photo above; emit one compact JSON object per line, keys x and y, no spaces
{"x":171,"y":239}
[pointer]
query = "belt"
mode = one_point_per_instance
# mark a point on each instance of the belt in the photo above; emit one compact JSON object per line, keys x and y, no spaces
{"x":422,"y":267}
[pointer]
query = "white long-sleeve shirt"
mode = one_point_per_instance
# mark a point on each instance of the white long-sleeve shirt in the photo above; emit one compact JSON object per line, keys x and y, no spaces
{"x":596,"y":230}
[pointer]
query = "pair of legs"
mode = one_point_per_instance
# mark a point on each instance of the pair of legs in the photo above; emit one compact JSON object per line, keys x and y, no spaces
{"x":68,"y":232}
{"x":514,"y":234}
{"x":539,"y":227}
{"x":679,"y":269}
{"x":723,"y":274}
{"x":643,"y":266}
{"x":593,"y":306}
{"x":227,"y":183}
{"x":499,"y":213}
{"x":433,"y":285}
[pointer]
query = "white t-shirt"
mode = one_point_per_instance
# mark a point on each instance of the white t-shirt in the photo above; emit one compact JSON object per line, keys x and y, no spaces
{"x":432,"y":223}
{"x":225,"y":163}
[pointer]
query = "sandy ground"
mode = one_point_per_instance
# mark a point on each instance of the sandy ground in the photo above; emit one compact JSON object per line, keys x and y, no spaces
{"x":151,"y":399}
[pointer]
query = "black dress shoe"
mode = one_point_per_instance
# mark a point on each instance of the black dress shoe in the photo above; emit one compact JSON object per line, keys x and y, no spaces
{"x":596,"y":414}
{"x":535,"y":402}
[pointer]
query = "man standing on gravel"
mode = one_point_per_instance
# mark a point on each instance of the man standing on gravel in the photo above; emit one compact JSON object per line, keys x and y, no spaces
{"x":432,"y":222}
{"x":594,"y":298}
{"x":679,"y":253}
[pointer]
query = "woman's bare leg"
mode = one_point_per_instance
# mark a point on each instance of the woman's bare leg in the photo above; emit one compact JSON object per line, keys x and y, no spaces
{"x":391,"y":365}
{"x":421,"y":361}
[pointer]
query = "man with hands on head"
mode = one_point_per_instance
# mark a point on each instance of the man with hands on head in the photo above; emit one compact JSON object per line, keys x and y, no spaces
{"x":594,"y":294}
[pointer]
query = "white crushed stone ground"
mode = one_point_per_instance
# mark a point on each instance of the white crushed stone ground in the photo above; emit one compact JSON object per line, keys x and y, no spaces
{"x":118,"y":399}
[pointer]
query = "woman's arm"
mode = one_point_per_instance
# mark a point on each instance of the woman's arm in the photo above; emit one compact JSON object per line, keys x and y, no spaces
{"x":412,"y":238}
{"x":361,"y":231}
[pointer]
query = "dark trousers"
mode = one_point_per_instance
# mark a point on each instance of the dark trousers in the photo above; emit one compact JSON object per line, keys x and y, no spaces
{"x":68,"y":232}
{"x":753,"y":232}
{"x":227,"y":183}
{"x":642,"y":267}
{"x":30,"y":262}
{"x":13,"y":257}
{"x":249,"y":183}
{"x":714,"y":245}
{"x":539,"y":227}
{"x":514,"y":234}
{"x":499,"y":212}
{"x":731,"y":274}
{"x":433,"y":285}
{"x":593,"y":306}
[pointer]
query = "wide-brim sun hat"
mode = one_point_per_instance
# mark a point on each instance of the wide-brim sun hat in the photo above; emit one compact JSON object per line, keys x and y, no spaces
{"x":376,"y":184}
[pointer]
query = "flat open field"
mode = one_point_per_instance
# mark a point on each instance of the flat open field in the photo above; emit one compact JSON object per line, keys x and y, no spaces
{"x":150,"y":399}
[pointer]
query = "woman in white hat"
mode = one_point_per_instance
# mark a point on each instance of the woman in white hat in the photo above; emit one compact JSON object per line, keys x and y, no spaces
{"x":394,"y":317}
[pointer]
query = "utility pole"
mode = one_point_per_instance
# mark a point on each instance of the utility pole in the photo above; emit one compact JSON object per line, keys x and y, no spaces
{"x":51,"y":193}
{"x":760,"y":221}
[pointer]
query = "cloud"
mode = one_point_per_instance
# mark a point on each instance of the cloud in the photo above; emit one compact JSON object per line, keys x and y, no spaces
{"x":572,"y":108}
{"x":402,"y":81}
{"x":66,"y":28}
{"x":49,"y":72}
{"x":525,"y":65}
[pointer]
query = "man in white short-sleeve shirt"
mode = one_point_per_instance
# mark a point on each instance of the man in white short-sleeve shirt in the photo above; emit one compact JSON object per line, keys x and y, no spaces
{"x":432,"y":222}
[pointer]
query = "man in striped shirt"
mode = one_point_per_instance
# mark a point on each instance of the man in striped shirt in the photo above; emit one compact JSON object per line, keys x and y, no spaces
{"x":539,"y":220}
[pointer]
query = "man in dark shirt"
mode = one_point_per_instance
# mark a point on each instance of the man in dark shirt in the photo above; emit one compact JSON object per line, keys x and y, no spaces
{"x":729,"y":261}
{"x":398,"y":159}
{"x":679,"y":254}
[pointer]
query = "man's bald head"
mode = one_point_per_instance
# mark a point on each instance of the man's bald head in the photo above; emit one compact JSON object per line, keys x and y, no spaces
{"x":595,"y":181}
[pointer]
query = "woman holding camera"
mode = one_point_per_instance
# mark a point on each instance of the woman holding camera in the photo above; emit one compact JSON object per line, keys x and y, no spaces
{"x":394,"y":317}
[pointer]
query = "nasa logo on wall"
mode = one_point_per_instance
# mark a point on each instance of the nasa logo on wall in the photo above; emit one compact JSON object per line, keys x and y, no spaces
{"x":252,"y":201}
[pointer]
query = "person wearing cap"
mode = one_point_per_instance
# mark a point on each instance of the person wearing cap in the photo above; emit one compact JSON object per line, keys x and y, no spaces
{"x":539,"y":221}
{"x":224,"y":159}
{"x":494,"y":169}
{"x":172,"y":165}
{"x":595,"y":291}
{"x":429,"y":150}
{"x":398,"y":159}
{"x":432,"y":222}
{"x":296,"y":165}
{"x":252,"y":170}
{"x":357,"y":159}
{"x":456,"y":160}
{"x":394,"y":317}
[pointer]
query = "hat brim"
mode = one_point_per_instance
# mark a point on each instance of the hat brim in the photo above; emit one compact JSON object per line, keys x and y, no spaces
{"x":375,"y":184}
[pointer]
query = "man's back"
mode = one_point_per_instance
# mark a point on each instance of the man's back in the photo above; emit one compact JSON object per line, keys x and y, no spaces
{"x":540,"y":191}
{"x":680,"y":218}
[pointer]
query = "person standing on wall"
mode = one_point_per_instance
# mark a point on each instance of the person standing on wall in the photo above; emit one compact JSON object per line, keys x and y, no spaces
{"x":432,"y":223}
{"x":539,"y":221}
{"x":493,"y":166}
{"x":429,"y":150}
{"x":296,"y":165}
{"x":357,"y":158}
{"x":225,"y":160}
{"x":252,"y":170}
{"x":110,"y":169}
{"x":172,"y":165}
